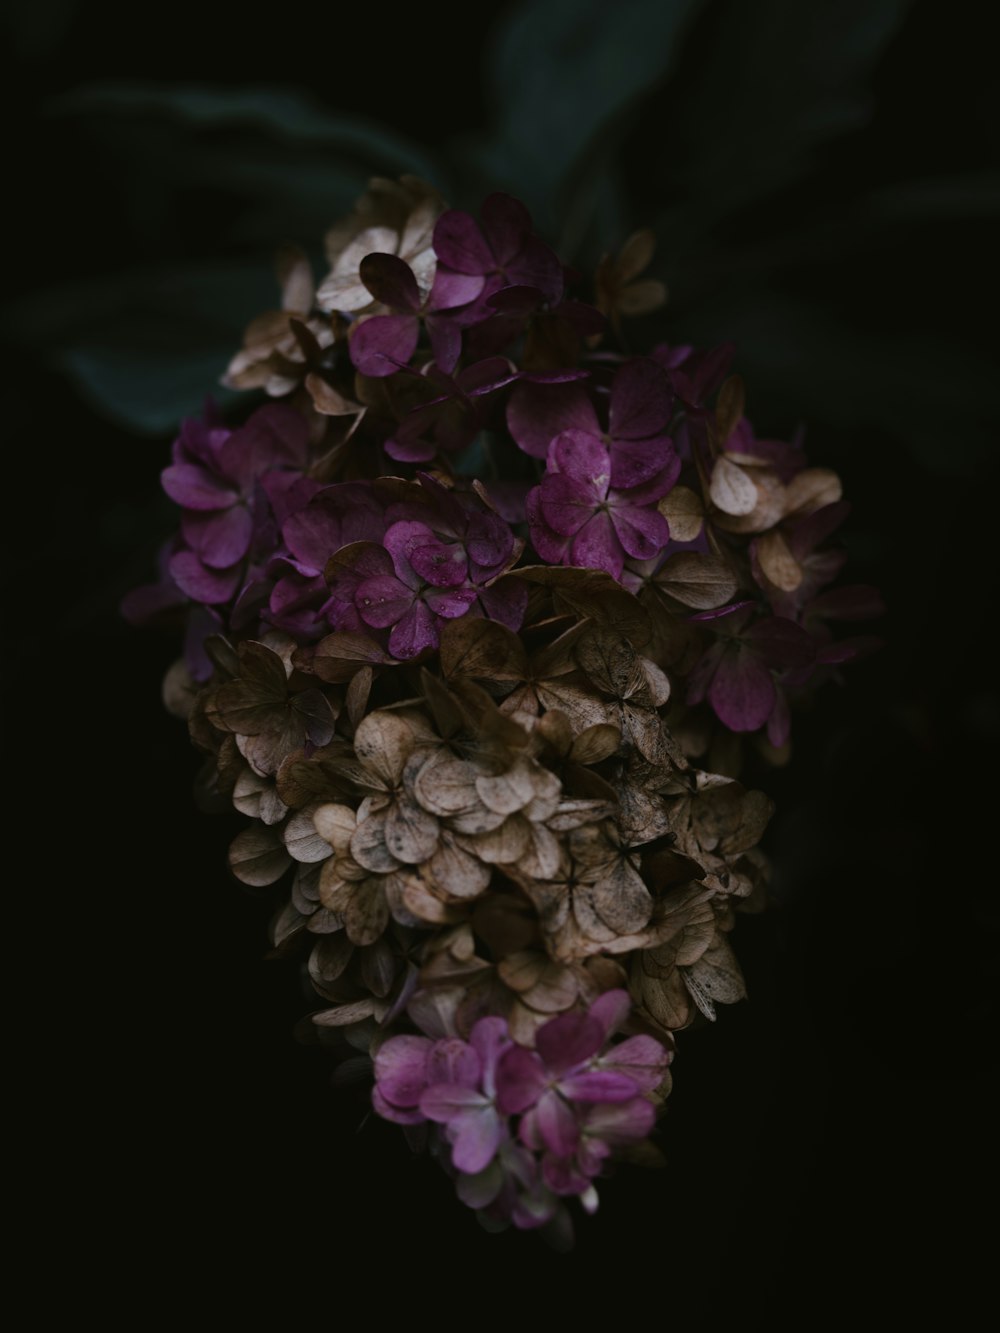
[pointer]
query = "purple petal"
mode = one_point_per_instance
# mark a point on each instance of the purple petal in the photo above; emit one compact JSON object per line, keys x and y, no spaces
{"x":211,"y":586}
{"x":642,"y":532}
{"x":556,"y":1124}
{"x":196,"y":488}
{"x":475,"y":1138}
{"x":648,"y":492}
{"x":335,"y":517}
{"x":537,"y":266}
{"x":641,"y":400}
{"x":505,"y":601}
{"x":564,"y":1176}
{"x":598,"y":1085}
{"x":453,"y":1061}
{"x":450,"y":602}
{"x":390,"y":281}
{"x":521,"y":1078}
{"x":220,"y":538}
{"x":566,"y":1041}
{"x":611,"y":1010}
{"x":383,"y":601}
{"x":490,"y":1039}
{"x":441,"y":564}
{"x":537,"y":413}
{"x":582,"y":456}
{"x":399,"y":539}
{"x":405,"y":450}
{"x":596,"y":546}
{"x":446,"y":341}
{"x":642,"y":1058}
{"x":452,"y":289}
{"x":401,"y":1069}
{"x":274,"y":436}
{"x":634,"y":462}
{"x":388,"y":1111}
{"x":621,"y":1122}
{"x":459,"y":243}
{"x":780,"y":642}
{"x":489,"y":541}
{"x":742,"y":691}
{"x":415,"y":632}
{"x":566,"y":503}
{"x":383,"y":343}
{"x":486,"y":376}
{"x":550,"y":546}
{"x":444,"y":1101}
{"x":201,"y":622}
{"x":506,"y":223}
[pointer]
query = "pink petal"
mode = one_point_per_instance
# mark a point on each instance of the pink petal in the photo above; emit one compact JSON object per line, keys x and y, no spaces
{"x":442,"y":1102}
{"x":622,"y":1122}
{"x":642,"y":1058}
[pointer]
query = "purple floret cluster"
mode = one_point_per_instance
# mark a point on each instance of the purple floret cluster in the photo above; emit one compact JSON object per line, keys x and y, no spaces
{"x":526,"y":1129}
{"x":484,"y":614}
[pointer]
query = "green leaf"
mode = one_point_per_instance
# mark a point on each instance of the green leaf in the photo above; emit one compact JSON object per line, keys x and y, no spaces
{"x":561,"y":71}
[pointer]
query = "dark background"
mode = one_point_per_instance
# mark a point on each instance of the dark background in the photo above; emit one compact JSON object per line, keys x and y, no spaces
{"x":821,"y":180}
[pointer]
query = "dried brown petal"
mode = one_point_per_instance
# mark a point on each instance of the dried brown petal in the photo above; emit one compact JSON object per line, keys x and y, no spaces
{"x":257,"y":856}
{"x":446,"y":786}
{"x":369,"y":847}
{"x":595,"y":743}
{"x":482,"y":649}
{"x":811,"y":489}
{"x":730,"y":407}
{"x":776,"y":561}
{"x":731,"y":490}
{"x":335,"y":824}
{"x":257,"y":796}
{"x":457,"y":872}
{"x":543,"y":984}
{"x":339,"y":656}
{"x":357,"y":694}
{"x":383,"y":742}
{"x":411,"y":834}
{"x":700,"y":581}
{"x":304,"y":843}
{"x":684,"y":512}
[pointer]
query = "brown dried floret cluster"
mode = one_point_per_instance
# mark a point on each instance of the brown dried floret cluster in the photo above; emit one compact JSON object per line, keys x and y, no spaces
{"x":507,"y":827}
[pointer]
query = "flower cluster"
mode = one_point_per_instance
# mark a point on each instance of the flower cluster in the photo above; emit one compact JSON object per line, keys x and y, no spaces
{"x":478,"y":609}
